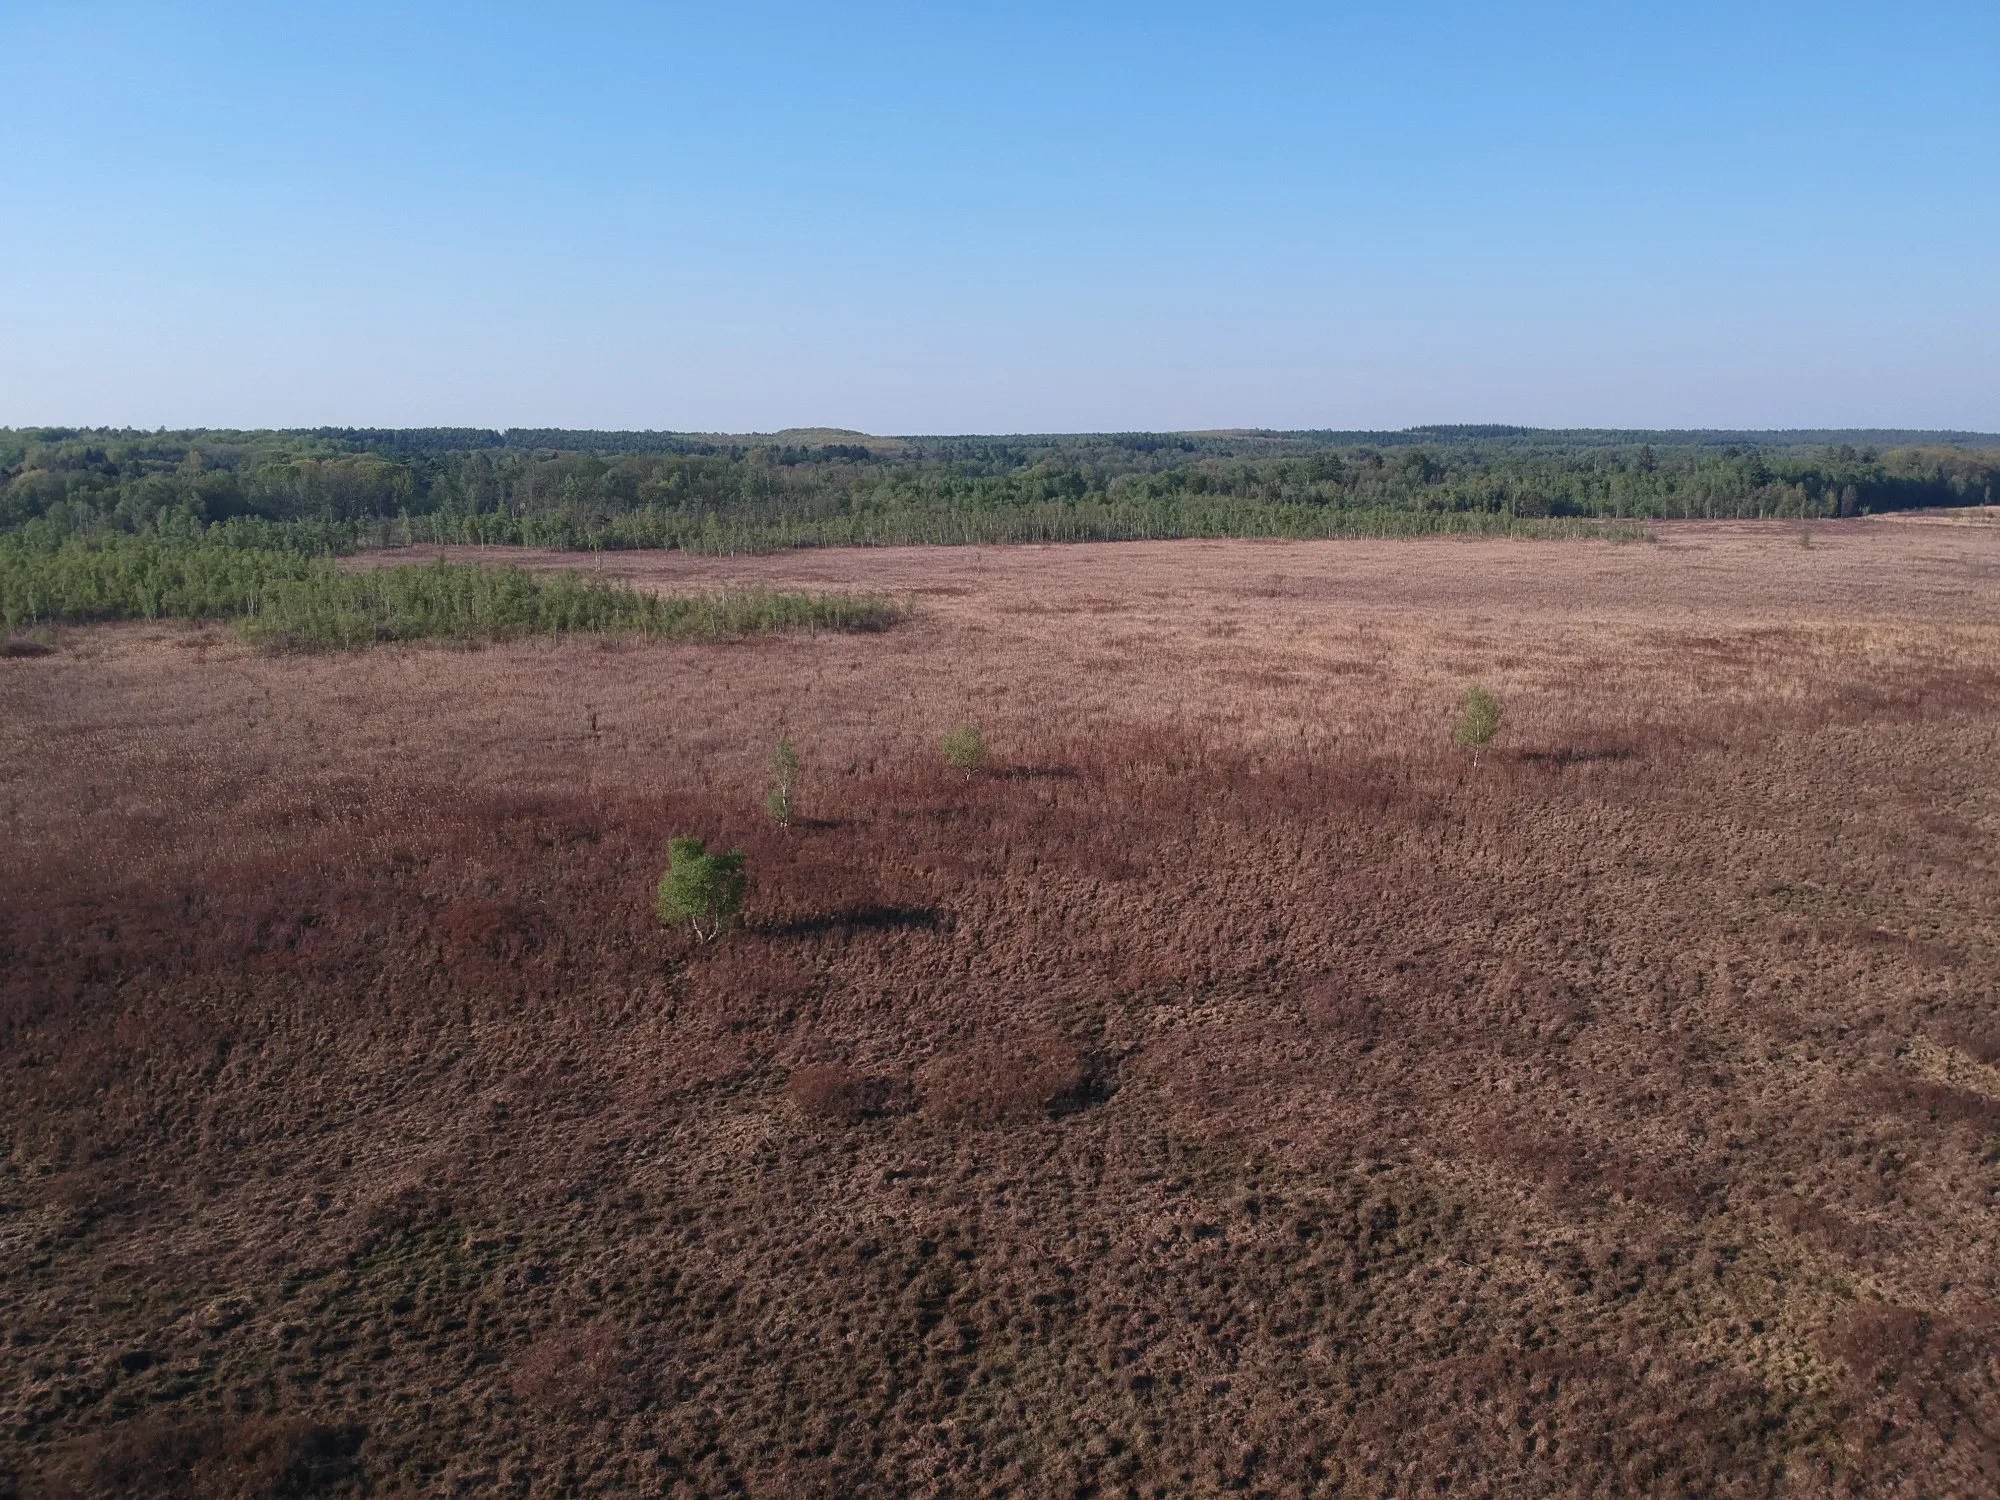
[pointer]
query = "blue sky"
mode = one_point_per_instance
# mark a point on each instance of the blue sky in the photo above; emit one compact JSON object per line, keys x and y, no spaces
{"x":1029,"y":217}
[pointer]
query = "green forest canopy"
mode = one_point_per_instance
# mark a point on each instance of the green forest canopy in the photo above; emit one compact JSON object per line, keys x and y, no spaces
{"x":330,"y":488}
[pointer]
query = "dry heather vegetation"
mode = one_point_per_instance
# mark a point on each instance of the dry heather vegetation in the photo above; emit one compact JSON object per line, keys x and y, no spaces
{"x":1231,"y":1088}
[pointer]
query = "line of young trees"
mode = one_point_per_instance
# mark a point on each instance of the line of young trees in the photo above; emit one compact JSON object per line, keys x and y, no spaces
{"x":285,"y":598}
{"x":610,"y":490}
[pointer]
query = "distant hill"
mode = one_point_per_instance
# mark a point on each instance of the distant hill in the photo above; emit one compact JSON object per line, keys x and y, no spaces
{"x":847,"y":442}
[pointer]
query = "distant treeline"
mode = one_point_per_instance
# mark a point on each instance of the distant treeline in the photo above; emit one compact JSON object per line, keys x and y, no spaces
{"x":332,"y":488}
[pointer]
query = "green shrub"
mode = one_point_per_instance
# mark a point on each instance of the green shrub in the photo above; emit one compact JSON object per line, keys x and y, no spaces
{"x":1478,"y":721}
{"x":118,"y":577}
{"x":287,"y":600}
{"x":964,"y":748}
{"x":465,"y":602}
{"x":701,"y":887}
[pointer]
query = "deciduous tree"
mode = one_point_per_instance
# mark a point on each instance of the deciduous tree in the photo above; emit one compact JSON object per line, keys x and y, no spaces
{"x":701,"y":888}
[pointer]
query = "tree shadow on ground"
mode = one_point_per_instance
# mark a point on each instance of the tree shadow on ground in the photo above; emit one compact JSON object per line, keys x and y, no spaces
{"x":872,"y":917}
{"x":1572,"y":755}
{"x":1037,"y":773}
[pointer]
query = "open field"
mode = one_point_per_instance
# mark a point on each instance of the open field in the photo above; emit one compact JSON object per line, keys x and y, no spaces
{"x":1231,"y":1089}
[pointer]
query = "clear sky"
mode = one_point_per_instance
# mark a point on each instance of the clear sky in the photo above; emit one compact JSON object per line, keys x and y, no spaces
{"x":1022,"y":217}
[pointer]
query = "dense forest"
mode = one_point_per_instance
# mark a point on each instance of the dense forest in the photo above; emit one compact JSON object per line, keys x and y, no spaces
{"x":332,"y":488}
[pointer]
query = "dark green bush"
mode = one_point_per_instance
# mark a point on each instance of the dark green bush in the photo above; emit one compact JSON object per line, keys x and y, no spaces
{"x":700,"y":887}
{"x":1478,"y":721}
{"x":964,"y":748}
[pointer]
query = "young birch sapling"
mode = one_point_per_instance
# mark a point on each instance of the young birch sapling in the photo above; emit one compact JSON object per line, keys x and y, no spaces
{"x":701,"y":888}
{"x":784,"y":771}
{"x":1478,"y":721}
{"x":964,"y":748}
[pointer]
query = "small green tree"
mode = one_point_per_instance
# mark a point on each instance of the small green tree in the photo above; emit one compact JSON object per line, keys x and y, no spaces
{"x":701,"y":887}
{"x":1478,"y":721}
{"x":964,"y":748}
{"x":784,"y":770}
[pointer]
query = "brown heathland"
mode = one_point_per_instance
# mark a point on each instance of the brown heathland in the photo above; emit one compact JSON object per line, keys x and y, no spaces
{"x":1232,"y":1088}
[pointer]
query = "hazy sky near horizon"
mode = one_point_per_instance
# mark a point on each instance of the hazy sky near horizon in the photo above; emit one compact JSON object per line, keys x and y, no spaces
{"x":1027,"y":217}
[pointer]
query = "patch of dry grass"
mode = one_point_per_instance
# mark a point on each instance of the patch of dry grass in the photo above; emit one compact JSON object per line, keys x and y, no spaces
{"x":1231,"y":1088}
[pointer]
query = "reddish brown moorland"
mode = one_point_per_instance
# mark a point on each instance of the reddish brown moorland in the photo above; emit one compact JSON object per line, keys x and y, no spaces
{"x":1232,"y":1088}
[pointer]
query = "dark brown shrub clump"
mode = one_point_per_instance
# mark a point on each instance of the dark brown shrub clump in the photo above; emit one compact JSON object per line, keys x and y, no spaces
{"x":837,"y":1093}
{"x":1004,"y":1081}
{"x":241,"y":1458}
